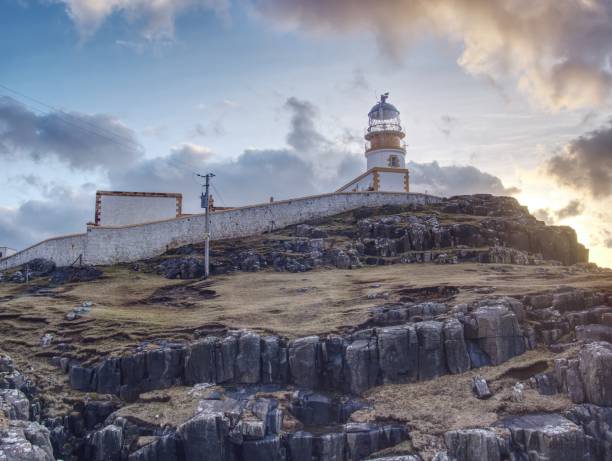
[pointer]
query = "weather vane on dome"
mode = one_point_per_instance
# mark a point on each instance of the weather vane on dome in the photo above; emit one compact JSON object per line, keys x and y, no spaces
{"x":384,"y":97}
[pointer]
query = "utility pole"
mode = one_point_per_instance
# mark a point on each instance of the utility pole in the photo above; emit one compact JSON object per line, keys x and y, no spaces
{"x":205,"y":203}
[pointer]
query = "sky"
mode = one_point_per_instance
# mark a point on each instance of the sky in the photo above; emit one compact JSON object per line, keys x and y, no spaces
{"x":510,"y":97}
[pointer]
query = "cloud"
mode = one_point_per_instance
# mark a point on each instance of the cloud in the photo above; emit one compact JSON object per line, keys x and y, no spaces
{"x":64,"y":211}
{"x":311,"y":163}
{"x":454,"y":180}
{"x":158,"y":16}
{"x":586,"y":163}
{"x":544,"y":214}
{"x":447,"y":124}
{"x":558,"y":52}
{"x":573,"y":208}
{"x":81,"y":141}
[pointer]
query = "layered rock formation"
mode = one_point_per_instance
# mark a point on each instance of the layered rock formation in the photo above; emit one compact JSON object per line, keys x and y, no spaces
{"x":489,"y":335}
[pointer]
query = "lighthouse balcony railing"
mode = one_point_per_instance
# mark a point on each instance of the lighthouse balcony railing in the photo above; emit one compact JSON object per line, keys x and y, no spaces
{"x":376,"y":127}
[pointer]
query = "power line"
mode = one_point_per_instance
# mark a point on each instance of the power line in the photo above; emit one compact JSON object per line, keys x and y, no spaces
{"x":72,"y":120}
{"x":219,"y":194}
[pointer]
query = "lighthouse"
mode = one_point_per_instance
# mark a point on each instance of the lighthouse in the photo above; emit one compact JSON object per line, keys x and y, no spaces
{"x":385,"y":152}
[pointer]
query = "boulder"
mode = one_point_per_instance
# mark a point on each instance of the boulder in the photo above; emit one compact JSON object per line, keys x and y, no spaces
{"x":105,"y":444}
{"x":455,"y":348}
{"x":40,"y":267}
{"x":75,"y":274}
{"x":164,"y":368}
{"x":225,"y":359}
{"x":568,"y":378}
{"x":398,"y":353}
{"x":595,"y":361}
{"x":361,"y":360}
{"x":205,"y":435}
{"x":332,"y":362}
{"x":108,"y":376}
{"x":596,"y":422}
{"x":547,"y":437}
{"x":248,"y":359}
{"x":25,"y":441}
{"x":270,"y":359}
{"x":14,"y":404}
{"x":182,"y":268}
{"x":95,"y":412}
{"x":480,"y":387}
{"x":303,"y":361}
{"x":82,"y":379}
{"x":432,"y":361}
{"x":200,"y":362}
{"x":496,"y":331}
{"x":473,"y":445}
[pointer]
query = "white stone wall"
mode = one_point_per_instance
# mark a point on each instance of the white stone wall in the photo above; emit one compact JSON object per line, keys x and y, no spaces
{"x":391,"y":182}
{"x":123,"y":210}
{"x":109,"y":245}
{"x":381,"y":158}
{"x":63,"y":250}
{"x":6,"y":251}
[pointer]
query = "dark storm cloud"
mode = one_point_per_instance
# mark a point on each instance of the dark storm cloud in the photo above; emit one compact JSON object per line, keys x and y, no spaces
{"x":80,"y":140}
{"x":586,"y":163}
{"x":303,"y":135}
{"x":556,"y":51}
{"x":573,"y":208}
{"x":454,"y":180}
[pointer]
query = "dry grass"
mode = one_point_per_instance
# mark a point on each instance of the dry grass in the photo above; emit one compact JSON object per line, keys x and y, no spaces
{"x":431,"y":408}
{"x":131,"y":306}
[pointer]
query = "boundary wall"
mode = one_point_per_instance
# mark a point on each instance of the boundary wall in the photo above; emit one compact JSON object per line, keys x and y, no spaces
{"x":109,"y":245}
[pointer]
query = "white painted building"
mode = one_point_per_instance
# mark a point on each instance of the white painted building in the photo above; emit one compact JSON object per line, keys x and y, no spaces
{"x":5,"y":252}
{"x":127,"y":208}
{"x":385,"y":153}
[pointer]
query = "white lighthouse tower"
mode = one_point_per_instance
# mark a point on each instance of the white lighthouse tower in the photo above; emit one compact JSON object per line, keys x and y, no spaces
{"x":385,"y":152}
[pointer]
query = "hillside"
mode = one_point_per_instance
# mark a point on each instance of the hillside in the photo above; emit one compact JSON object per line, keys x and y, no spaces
{"x":358,"y":336}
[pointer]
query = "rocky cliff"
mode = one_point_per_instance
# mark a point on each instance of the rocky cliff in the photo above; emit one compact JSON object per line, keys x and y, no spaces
{"x":496,"y":346}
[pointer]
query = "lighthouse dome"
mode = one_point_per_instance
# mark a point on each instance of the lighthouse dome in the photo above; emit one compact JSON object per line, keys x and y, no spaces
{"x":383,"y":111}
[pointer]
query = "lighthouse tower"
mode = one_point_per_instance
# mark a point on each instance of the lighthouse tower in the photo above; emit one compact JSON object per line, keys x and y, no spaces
{"x":385,"y":152}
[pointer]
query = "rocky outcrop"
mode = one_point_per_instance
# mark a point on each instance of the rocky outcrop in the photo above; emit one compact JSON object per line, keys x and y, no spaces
{"x":539,"y":437}
{"x":366,"y":358}
{"x":25,"y":441}
{"x":238,"y":426}
{"x":495,"y":330}
{"x":475,"y":444}
{"x":547,"y":437}
{"x":21,"y":439}
{"x":500,"y":232}
{"x":587,"y":378}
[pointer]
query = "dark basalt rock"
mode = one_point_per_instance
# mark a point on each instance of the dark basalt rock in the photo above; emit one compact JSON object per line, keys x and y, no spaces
{"x":360,"y":361}
{"x":25,"y":441}
{"x":547,"y":437}
{"x":475,"y":444}
{"x":182,"y":268}
{"x":303,"y":356}
{"x":75,"y":274}
{"x":163,"y":449}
